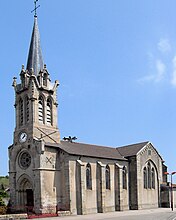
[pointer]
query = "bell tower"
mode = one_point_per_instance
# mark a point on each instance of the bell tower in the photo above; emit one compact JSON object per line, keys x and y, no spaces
{"x":35,"y":98}
{"x":30,"y":160}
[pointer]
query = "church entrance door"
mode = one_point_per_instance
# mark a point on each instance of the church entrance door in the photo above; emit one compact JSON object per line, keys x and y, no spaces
{"x":25,"y":194}
{"x":30,"y":200}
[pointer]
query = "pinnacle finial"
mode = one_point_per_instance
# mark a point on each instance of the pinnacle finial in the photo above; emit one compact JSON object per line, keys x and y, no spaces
{"x":14,"y":84}
{"x":35,"y":9}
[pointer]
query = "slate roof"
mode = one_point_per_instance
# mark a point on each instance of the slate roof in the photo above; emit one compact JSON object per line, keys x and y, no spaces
{"x":35,"y":59}
{"x":132,"y":149}
{"x":81,"y":149}
{"x":120,"y":153}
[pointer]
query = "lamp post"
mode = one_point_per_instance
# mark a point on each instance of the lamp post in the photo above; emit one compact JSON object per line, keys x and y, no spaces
{"x":171,"y":189}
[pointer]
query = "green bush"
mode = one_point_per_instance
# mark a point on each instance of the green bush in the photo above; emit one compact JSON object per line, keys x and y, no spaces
{"x":3,"y":194}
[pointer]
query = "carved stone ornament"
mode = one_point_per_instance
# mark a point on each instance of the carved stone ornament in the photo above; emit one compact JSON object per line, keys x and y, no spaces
{"x":25,"y":160}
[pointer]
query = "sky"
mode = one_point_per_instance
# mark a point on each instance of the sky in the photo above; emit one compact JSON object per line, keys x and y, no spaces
{"x":116,"y":64}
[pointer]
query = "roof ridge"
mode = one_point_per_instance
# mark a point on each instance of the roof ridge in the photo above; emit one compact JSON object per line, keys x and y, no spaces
{"x":89,"y":144}
{"x":119,"y":152}
{"x":133,"y":144}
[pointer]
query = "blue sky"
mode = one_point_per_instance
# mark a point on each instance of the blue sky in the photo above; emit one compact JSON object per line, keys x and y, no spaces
{"x":116,"y":63}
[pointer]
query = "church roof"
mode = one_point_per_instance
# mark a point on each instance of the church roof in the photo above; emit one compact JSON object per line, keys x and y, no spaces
{"x":35,"y":59}
{"x":120,"y":153}
{"x":132,"y":149}
{"x":81,"y":149}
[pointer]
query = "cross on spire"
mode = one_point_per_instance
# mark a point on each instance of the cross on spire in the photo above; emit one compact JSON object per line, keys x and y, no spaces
{"x":35,"y":9}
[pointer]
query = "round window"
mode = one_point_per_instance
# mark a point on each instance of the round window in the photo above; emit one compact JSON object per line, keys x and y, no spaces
{"x":25,"y":160}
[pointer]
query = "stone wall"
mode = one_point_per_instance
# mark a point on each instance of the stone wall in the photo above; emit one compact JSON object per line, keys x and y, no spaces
{"x":149,"y":197}
{"x":98,"y":198}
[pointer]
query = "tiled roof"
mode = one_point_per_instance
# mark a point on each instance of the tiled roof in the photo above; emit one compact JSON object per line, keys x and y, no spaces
{"x":81,"y":149}
{"x":132,"y":149}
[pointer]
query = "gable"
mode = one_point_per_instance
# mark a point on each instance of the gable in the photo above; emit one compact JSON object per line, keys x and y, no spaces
{"x":150,"y":150}
{"x":132,"y":149}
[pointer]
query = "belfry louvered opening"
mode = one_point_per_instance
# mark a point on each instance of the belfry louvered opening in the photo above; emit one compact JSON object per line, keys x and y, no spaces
{"x":41,"y":110}
{"x":49,"y":112}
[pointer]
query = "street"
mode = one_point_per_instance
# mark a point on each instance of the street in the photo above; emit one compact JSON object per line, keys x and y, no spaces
{"x":152,"y":214}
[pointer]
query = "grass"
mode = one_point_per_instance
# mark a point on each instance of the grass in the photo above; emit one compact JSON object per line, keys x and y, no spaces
{"x":4,"y":180}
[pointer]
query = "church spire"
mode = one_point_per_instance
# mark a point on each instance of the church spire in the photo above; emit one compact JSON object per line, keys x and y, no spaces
{"x":35,"y":60}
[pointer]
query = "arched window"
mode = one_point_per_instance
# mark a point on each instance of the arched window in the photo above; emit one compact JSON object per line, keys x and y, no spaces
{"x":49,"y":112}
{"x":153,"y":178}
{"x":21,"y":115}
{"x":124,"y":177}
{"x":45,"y":79}
{"x":107,"y":176}
{"x":27,"y":109}
{"x":41,"y":110}
{"x":145,"y":177}
{"x":149,"y":175}
{"x":88,"y":177}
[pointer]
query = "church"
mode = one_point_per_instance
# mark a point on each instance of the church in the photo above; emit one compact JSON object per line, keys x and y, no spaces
{"x":48,"y":174}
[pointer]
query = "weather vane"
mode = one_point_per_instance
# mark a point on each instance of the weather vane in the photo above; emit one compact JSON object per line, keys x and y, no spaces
{"x":35,"y":9}
{"x":70,"y":139}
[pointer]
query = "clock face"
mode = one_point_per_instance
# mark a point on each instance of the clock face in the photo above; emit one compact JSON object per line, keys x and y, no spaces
{"x":22,"y":137}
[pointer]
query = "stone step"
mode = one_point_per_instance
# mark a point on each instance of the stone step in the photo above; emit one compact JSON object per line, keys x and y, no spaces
{"x":63,"y":213}
{"x":14,"y":216}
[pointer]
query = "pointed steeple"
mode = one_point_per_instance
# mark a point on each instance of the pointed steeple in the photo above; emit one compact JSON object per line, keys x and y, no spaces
{"x":35,"y":60}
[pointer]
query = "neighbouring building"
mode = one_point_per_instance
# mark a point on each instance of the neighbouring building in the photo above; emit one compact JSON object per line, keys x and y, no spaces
{"x":48,"y":174}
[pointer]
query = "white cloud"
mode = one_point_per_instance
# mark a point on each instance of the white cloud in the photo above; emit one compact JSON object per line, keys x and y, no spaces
{"x":161,"y":64}
{"x":173,"y":80}
{"x":157,"y":75}
{"x":164,"y":45}
{"x":160,"y":68}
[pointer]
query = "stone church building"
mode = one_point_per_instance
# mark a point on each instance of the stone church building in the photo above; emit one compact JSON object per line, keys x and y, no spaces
{"x":48,"y":174}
